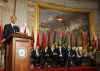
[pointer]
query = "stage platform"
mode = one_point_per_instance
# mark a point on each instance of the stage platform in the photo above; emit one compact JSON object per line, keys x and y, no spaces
{"x":82,"y":68}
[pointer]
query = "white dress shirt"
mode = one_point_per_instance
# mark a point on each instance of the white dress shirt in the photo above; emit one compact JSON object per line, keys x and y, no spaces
{"x":13,"y":26}
{"x":60,"y":51}
{"x":37,"y":53}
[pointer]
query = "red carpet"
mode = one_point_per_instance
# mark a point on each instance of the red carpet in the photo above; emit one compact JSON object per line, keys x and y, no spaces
{"x":64,"y":69}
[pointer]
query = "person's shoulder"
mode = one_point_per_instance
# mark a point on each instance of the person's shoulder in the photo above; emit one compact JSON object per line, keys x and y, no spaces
{"x":17,"y":26}
{"x":6,"y":25}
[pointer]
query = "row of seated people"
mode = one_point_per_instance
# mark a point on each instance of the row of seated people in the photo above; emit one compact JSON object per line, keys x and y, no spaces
{"x":59,"y":56}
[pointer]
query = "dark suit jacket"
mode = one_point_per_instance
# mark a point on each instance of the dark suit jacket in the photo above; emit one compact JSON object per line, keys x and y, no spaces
{"x":34,"y":53}
{"x":73,"y":53}
{"x":8,"y":29}
{"x":62,"y":51}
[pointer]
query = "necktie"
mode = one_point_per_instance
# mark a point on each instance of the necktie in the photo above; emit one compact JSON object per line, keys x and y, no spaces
{"x":79,"y":53}
{"x":13,"y":29}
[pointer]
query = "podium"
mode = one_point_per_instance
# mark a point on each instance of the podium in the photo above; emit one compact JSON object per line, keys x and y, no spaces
{"x":18,"y":53}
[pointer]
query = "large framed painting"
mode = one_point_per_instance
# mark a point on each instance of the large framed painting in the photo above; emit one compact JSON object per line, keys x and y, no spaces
{"x":52,"y":17}
{"x":63,"y":21}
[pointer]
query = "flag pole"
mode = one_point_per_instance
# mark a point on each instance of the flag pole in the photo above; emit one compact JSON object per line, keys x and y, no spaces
{"x":14,"y":8}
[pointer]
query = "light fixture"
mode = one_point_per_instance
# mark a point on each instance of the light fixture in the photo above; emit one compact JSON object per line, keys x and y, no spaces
{"x":58,"y":18}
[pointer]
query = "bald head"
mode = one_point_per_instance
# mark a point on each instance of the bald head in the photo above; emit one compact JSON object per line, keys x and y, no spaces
{"x":13,"y":19}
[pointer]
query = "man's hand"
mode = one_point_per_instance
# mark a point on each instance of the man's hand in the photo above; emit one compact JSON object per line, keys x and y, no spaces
{"x":3,"y":40}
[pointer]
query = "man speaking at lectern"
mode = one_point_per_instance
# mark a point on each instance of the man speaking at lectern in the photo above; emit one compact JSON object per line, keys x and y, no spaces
{"x":10,"y":28}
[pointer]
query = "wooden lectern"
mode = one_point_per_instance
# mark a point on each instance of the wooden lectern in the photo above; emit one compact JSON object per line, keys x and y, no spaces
{"x":18,"y":53}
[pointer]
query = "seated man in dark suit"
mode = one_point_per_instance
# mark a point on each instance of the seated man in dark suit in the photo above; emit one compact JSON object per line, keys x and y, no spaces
{"x":36,"y":56}
{"x":73,"y":56}
{"x":52,"y":54}
{"x":43,"y":53}
{"x":79,"y":56}
{"x":60,"y":55}
{"x":68,"y":52}
{"x":47,"y":58}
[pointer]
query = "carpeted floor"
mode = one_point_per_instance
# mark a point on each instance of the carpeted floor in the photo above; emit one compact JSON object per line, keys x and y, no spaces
{"x":83,"y":68}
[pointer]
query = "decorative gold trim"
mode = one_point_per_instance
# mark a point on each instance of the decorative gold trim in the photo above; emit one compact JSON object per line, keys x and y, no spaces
{"x":61,"y":8}
{"x":44,"y":5}
{"x":87,"y":11}
{"x":91,"y":23}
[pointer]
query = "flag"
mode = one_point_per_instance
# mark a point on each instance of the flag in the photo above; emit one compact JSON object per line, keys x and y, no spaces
{"x":48,"y":38}
{"x":83,"y":40}
{"x":32,"y":41}
{"x":66,"y":38}
{"x":98,"y":44}
{"x":54,"y":38}
{"x":43,"y":40}
{"x":88,"y":45}
{"x":76,"y":39}
{"x":1,"y":29}
{"x":63,"y":34}
{"x":80,"y":39}
{"x":63,"y":37}
{"x":25,"y":30}
{"x":71,"y":39}
{"x":93,"y":42}
{"x":87,"y":40}
{"x":37,"y":41}
{"x":83,"y":43}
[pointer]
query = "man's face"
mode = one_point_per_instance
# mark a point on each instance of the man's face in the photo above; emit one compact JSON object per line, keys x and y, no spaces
{"x":56,"y":46}
{"x":59,"y":42}
{"x":13,"y":19}
{"x":52,"y":45}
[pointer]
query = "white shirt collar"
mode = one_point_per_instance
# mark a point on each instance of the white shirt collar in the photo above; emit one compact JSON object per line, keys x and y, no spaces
{"x":59,"y":47}
{"x":52,"y":49}
{"x":12,"y":24}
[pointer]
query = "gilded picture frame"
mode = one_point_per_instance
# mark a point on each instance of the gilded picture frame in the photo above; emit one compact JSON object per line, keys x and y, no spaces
{"x":90,"y":13}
